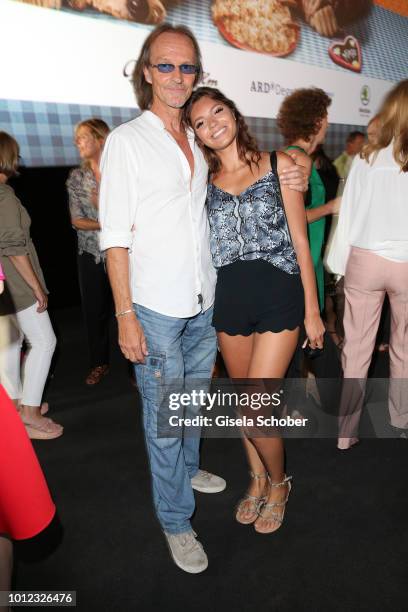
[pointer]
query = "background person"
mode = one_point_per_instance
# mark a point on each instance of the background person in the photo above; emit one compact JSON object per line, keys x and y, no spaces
{"x":23,"y":306}
{"x":354,"y":143}
{"x":372,"y":252}
{"x":302,"y":121}
{"x":96,"y":297}
{"x":327,"y":171}
{"x":265,"y":278}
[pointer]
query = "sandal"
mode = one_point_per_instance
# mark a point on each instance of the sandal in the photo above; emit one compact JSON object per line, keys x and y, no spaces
{"x":45,"y":429}
{"x":249,"y":504}
{"x":266,"y":511}
{"x":96,"y":374}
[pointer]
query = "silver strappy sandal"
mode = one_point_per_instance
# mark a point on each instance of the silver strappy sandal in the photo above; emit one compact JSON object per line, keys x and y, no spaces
{"x":249,"y":504}
{"x":267,"y":511}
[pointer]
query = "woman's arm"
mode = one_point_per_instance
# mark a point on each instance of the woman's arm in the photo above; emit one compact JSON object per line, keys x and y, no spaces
{"x":83,"y":223}
{"x":296,"y":216}
{"x":330,"y":208}
{"x":313,"y":214}
{"x":23,"y":266}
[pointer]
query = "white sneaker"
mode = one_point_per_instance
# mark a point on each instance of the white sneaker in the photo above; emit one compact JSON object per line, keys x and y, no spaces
{"x":207,"y":483}
{"x":187,"y":552}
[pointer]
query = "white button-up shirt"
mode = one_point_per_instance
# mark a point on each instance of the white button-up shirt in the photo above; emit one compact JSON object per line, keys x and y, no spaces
{"x":374,"y":211}
{"x":150,"y":205}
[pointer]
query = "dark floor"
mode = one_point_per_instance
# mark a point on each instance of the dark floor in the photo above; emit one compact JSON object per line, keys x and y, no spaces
{"x":342,"y":547}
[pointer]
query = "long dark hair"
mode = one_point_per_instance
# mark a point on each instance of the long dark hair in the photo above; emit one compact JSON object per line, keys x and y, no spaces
{"x":247,"y":146}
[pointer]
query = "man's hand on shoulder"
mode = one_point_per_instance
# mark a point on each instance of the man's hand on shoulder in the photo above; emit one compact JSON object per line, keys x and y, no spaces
{"x":294,"y":173}
{"x":132,"y":340}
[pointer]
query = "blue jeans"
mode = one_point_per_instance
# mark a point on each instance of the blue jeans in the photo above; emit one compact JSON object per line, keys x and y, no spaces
{"x":179,"y":349}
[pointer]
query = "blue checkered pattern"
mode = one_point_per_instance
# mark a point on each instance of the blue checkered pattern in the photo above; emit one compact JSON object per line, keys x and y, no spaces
{"x":45,"y":131}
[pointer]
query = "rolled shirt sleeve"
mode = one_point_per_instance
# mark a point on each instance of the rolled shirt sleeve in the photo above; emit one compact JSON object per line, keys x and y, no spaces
{"x":118,"y":198}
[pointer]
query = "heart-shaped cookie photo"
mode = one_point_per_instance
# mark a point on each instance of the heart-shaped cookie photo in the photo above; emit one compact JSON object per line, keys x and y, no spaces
{"x":346,"y":53}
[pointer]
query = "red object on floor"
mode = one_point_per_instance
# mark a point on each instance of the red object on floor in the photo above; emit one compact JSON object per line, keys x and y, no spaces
{"x":26,"y":507}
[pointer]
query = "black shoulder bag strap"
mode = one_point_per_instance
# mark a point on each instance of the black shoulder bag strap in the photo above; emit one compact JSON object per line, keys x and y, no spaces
{"x":274,"y":166}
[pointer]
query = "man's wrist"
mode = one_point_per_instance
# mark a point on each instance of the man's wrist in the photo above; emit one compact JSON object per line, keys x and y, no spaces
{"x":124,"y":313}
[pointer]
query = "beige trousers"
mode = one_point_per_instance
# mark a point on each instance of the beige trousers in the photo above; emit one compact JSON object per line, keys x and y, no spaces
{"x":368,"y":278}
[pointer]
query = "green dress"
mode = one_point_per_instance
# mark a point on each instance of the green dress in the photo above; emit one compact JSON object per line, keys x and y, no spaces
{"x":317,"y":197}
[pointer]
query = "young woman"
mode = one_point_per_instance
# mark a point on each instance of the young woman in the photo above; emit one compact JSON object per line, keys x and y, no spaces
{"x":83,"y":189}
{"x":371,"y":250}
{"x":265,"y":277}
{"x":23,"y":306}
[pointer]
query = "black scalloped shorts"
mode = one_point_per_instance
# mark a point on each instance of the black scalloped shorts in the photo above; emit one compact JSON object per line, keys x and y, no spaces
{"x":256,"y":296}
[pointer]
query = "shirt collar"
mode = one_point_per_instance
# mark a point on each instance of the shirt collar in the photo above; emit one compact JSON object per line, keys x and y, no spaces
{"x":155,"y":121}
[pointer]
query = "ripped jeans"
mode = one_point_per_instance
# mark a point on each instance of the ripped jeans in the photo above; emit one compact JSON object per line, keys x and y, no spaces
{"x":179,"y":349}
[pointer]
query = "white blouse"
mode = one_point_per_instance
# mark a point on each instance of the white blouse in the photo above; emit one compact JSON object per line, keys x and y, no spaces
{"x":374,"y":211}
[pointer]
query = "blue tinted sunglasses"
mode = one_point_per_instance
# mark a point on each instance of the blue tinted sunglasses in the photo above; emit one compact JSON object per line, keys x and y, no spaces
{"x":184,"y":68}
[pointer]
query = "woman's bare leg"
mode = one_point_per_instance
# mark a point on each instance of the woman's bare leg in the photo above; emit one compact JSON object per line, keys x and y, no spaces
{"x":237,"y":352}
{"x":270,"y":359}
{"x":261,"y":356}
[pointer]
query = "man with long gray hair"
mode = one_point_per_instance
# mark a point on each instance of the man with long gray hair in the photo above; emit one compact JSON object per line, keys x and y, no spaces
{"x":155,"y":233}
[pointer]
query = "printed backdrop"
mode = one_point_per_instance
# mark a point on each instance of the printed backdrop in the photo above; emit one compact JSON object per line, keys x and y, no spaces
{"x":66,"y":61}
